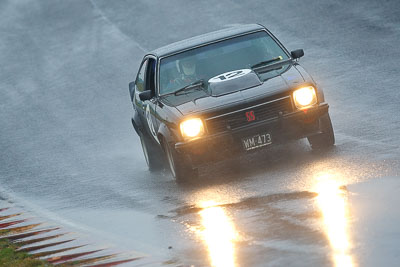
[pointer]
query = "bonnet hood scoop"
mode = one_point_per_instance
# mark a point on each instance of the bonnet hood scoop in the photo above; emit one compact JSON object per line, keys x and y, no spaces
{"x":233,"y":81}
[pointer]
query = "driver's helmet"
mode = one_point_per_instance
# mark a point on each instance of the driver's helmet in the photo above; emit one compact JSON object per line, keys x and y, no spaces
{"x":188,"y":66}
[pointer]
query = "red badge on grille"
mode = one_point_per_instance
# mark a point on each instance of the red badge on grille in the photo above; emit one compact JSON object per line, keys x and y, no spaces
{"x":250,"y":115}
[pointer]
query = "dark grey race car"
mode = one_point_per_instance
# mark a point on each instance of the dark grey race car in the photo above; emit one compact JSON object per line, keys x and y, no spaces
{"x":231,"y":91}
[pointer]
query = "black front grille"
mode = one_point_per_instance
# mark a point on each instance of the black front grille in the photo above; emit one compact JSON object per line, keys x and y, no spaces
{"x":237,"y":119}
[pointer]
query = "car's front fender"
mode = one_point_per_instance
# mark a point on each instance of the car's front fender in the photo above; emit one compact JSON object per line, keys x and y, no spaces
{"x":166,"y":134}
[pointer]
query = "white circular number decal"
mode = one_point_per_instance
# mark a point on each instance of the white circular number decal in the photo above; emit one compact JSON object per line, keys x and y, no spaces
{"x":229,"y":75}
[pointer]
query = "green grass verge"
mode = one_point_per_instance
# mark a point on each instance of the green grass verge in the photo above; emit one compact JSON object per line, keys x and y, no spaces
{"x":10,"y":257}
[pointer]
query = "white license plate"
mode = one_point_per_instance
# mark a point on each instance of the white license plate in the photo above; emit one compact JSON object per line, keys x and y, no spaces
{"x":256,"y":141}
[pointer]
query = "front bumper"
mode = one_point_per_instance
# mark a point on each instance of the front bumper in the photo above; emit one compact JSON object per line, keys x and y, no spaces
{"x":287,"y":127}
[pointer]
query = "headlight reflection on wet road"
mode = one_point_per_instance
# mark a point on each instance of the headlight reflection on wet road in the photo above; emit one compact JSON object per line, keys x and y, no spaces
{"x":332,"y":201}
{"x":219,"y":234}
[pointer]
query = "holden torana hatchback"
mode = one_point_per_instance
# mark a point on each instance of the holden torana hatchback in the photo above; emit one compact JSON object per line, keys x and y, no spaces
{"x":235,"y":90}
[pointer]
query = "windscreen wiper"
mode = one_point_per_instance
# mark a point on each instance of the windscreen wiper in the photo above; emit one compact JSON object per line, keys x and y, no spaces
{"x":270,"y":65}
{"x":266,"y":62}
{"x":199,"y":84}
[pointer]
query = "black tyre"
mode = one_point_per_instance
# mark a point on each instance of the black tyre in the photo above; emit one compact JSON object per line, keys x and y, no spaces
{"x":180,"y":169}
{"x":151,"y":154}
{"x":326,"y":138}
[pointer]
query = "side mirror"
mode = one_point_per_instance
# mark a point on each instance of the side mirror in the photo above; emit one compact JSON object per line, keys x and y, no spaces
{"x":297,"y":53}
{"x":145,"y":95}
{"x":132,"y":89}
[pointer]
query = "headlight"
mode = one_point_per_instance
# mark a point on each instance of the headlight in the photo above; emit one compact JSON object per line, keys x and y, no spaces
{"x":192,"y":128}
{"x":305,"y":97}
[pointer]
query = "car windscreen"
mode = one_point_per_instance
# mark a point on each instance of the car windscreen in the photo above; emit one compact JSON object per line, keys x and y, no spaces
{"x":206,"y":62}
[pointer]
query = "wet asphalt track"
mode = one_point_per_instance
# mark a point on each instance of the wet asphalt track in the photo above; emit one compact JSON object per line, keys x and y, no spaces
{"x":68,"y":149}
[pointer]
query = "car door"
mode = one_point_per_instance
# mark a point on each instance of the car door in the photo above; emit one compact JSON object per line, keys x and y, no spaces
{"x":145,"y":81}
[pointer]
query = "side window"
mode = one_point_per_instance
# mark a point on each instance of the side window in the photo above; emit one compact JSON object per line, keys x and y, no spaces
{"x":140,"y":80}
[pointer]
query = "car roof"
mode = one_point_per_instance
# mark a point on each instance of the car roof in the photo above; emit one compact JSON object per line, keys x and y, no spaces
{"x":205,"y":38}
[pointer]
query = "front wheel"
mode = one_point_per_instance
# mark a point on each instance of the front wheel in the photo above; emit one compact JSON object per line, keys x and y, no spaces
{"x":326,"y":138}
{"x":180,"y":170}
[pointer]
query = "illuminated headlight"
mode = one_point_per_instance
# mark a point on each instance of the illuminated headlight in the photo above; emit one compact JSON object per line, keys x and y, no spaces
{"x":305,"y":97}
{"x":192,"y":128}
